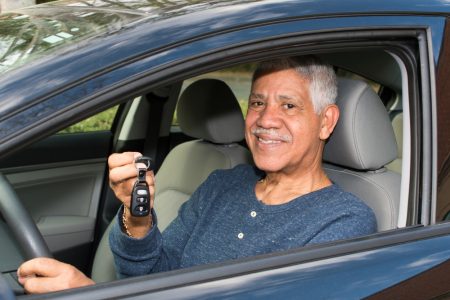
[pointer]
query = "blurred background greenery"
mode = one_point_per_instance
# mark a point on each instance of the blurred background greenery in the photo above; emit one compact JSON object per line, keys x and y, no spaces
{"x":98,"y":122}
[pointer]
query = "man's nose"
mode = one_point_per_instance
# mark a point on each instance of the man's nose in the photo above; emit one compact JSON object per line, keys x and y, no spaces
{"x":269,"y":117}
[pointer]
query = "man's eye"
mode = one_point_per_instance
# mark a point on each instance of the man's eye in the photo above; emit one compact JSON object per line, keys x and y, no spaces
{"x":256,"y":103}
{"x":289,"y":105}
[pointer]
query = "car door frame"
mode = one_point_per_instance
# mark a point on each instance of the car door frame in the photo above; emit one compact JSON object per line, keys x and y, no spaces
{"x":399,"y":240}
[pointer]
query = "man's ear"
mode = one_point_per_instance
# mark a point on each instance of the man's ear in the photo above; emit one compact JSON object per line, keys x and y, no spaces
{"x":329,"y":118}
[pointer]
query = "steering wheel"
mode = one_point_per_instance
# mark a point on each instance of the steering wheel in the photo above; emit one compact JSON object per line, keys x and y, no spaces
{"x":6,"y":292}
{"x":20,"y":222}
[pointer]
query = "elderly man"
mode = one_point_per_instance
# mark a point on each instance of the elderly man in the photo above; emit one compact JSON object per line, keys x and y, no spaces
{"x":283,"y":202}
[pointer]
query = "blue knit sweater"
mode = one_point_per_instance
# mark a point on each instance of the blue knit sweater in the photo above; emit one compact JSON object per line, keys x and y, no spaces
{"x":224,"y":220}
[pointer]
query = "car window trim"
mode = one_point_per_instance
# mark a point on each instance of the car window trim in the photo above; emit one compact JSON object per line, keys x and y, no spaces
{"x":253,"y":264}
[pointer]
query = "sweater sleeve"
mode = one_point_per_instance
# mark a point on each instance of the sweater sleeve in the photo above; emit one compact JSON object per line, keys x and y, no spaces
{"x":158,"y":252}
{"x":346,"y":226}
{"x":134,"y":257}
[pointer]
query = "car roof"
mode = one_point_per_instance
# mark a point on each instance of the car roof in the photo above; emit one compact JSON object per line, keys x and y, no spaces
{"x":169,"y":22}
{"x":199,"y":17}
{"x":168,"y":9}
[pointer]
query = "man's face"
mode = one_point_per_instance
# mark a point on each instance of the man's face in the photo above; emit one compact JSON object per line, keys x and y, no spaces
{"x":281,"y":129}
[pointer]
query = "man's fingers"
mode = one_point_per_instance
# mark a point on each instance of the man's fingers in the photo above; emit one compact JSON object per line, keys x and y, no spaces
{"x":122,"y":173}
{"x":120,"y":159}
{"x":39,"y":285}
{"x":41,"y":266}
{"x":122,"y":166}
{"x":43,"y":275}
{"x":68,"y":278}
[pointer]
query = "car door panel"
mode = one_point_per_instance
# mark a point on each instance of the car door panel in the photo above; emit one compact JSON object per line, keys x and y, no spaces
{"x":59,"y":198}
{"x":66,"y":232}
{"x":60,"y":180}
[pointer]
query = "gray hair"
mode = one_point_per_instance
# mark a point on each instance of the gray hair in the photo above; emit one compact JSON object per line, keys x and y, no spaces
{"x":321,"y":76}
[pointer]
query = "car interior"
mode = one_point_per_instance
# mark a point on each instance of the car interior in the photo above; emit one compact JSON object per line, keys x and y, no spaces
{"x":193,"y":127}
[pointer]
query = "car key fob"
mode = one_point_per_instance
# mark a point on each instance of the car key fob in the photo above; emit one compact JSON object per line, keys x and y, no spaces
{"x":140,"y":197}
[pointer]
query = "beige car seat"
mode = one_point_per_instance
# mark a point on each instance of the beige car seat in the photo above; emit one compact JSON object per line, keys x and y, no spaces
{"x":397,"y":124}
{"x":358,"y":150}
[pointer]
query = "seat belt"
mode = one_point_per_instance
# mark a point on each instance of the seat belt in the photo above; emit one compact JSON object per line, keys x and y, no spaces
{"x":156,"y":104}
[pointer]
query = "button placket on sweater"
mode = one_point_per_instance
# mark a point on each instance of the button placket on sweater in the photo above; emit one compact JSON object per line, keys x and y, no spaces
{"x":253,"y":215}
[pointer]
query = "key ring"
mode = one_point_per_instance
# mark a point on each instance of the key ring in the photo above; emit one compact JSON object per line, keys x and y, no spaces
{"x":141,"y":172}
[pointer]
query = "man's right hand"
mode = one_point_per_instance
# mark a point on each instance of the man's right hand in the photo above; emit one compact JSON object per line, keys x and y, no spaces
{"x":122,"y":176}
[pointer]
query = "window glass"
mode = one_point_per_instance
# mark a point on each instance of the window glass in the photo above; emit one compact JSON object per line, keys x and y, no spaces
{"x":98,"y":122}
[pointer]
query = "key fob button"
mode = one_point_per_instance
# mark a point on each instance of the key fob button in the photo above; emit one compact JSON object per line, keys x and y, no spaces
{"x":142,"y":192}
{"x":141,"y":209}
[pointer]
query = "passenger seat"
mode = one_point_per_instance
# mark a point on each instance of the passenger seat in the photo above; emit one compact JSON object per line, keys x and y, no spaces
{"x":362,"y":144}
{"x":397,"y":124}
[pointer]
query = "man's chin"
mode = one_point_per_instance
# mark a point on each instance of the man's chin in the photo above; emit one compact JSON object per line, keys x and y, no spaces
{"x":268,"y":165}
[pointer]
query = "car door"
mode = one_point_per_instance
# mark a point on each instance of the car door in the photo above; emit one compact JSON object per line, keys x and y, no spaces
{"x":345,"y":269}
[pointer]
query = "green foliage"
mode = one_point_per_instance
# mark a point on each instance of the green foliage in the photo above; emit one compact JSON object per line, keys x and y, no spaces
{"x":244,"y":106}
{"x":101,"y":121}
{"x":246,"y":68}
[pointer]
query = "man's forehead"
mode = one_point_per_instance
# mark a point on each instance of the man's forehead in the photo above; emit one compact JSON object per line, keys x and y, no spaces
{"x":281,"y":87}
{"x":280,"y":83}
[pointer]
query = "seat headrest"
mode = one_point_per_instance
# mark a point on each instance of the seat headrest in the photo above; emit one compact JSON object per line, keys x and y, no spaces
{"x":208,"y":110}
{"x":363,"y":138}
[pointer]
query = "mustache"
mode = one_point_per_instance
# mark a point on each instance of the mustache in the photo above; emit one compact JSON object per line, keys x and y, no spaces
{"x":272,"y":134}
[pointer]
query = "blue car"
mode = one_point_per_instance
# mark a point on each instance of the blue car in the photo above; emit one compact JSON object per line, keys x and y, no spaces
{"x":81,"y":79}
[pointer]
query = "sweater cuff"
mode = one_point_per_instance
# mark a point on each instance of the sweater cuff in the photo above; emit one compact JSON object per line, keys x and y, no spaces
{"x":134,"y":249}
